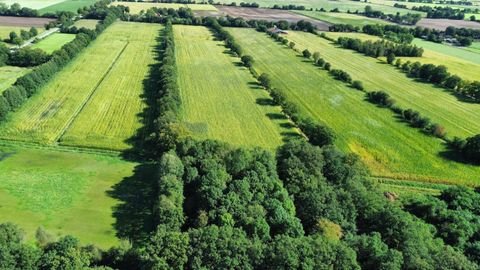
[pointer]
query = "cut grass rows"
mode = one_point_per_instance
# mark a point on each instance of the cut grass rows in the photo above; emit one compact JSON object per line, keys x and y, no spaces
{"x":45,"y":116}
{"x":458,"y":117}
{"x":342,"y":18}
{"x":220,"y":98}
{"x":388,"y":147}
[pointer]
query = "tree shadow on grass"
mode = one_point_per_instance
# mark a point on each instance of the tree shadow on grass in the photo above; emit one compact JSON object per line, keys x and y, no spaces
{"x":134,"y":214}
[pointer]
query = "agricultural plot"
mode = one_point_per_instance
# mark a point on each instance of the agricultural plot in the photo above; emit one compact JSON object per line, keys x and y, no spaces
{"x":68,"y":5}
{"x":137,"y":7}
{"x":87,"y":23}
{"x":5,"y":31}
{"x":342,"y":18}
{"x":47,"y":115}
{"x":416,"y":4}
{"x":35,"y":4}
{"x":442,"y":24}
{"x":53,"y":42}
{"x":66,"y":193}
{"x":389,"y":148}
{"x":220,"y":99}
{"x":117,"y":103}
{"x":458,"y":117}
{"x":8,"y":76}
{"x":475,"y":47}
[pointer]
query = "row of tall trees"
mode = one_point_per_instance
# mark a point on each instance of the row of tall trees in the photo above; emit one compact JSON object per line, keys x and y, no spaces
{"x":16,"y":39}
{"x":442,"y":12}
{"x":17,"y":10}
{"x":380,"y":48}
{"x":408,"y":19}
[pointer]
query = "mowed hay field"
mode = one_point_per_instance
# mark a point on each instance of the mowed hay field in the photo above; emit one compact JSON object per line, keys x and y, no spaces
{"x":342,"y":18}
{"x":53,"y":42}
{"x":458,"y":117}
{"x":48,"y":114}
{"x":68,"y":5}
{"x":117,"y":103}
{"x":66,"y":193}
{"x":35,"y":4}
{"x":220,"y":99}
{"x":8,"y":76}
{"x":87,"y":23}
{"x":137,"y":7}
{"x":389,"y":148}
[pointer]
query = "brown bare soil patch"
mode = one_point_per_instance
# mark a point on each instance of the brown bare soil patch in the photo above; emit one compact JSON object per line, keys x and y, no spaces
{"x":442,"y":24}
{"x":23,"y":21}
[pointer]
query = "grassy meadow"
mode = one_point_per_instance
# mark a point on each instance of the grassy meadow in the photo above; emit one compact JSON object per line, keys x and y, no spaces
{"x":53,"y":42}
{"x":388,"y":147}
{"x":117,"y":103}
{"x":137,"y":7}
{"x":47,"y":115}
{"x":220,"y":99}
{"x":8,"y":76}
{"x":35,"y":4}
{"x":342,"y":18}
{"x":66,"y":193}
{"x":5,"y":30}
{"x":458,"y":117}
{"x":67,"y":5}
{"x":87,"y":23}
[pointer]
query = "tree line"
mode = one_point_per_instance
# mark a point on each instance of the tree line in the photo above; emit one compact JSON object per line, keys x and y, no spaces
{"x":16,"y":39}
{"x":440,"y":12}
{"x":380,"y":48}
{"x":408,"y":19}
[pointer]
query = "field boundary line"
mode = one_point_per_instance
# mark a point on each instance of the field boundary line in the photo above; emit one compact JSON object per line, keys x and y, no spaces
{"x":89,"y":97}
{"x":60,"y":148}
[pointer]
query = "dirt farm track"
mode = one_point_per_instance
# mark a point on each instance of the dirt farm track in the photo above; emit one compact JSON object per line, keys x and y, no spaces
{"x":23,"y":21}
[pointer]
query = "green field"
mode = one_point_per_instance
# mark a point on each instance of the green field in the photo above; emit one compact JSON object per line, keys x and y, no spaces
{"x":342,"y":18}
{"x":8,"y":76}
{"x":414,"y":4}
{"x":116,"y":103}
{"x":458,"y":117}
{"x":89,"y":24}
{"x":459,"y":52}
{"x":219,"y":97}
{"x":66,"y":193}
{"x":389,"y":148}
{"x":137,"y":7}
{"x":68,"y":5}
{"x":5,"y":30}
{"x":47,"y":115}
{"x":53,"y":42}
{"x":35,"y":4}
{"x":475,"y":47}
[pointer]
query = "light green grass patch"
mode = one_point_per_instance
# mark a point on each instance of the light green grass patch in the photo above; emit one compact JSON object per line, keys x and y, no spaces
{"x":5,"y":31}
{"x":87,"y":23}
{"x":66,"y":193}
{"x":388,"y":147}
{"x":438,"y":104}
{"x":342,"y":18}
{"x":68,"y":5}
{"x":117,"y":103}
{"x":8,"y":76}
{"x":137,"y":7}
{"x":35,"y":4}
{"x":53,"y":42}
{"x":459,"y":52}
{"x":220,"y":98}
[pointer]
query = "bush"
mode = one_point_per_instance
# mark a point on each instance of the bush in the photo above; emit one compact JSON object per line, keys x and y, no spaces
{"x":380,"y":98}
{"x":317,"y":134}
{"x":327,"y":66}
{"x":358,"y":85}
{"x":265,"y":81}
{"x":341,"y":75}
{"x":306,"y":53}
{"x":247,"y":60}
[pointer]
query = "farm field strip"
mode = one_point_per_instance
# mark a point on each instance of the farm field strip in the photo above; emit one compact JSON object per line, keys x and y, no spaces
{"x":87,"y":23}
{"x":137,"y":7}
{"x":444,"y":49}
{"x":9,"y":74}
{"x":53,"y":42}
{"x":117,"y":101}
{"x":220,"y":98}
{"x":67,"y":5}
{"x":458,"y":117}
{"x":342,"y":18}
{"x":35,"y":4}
{"x":389,"y":148}
{"x":46,"y":114}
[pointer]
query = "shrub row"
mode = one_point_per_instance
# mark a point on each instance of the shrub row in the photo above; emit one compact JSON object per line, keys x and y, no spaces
{"x":223,"y":35}
{"x":29,"y":84}
{"x":380,"y":48}
{"x":440,"y":76}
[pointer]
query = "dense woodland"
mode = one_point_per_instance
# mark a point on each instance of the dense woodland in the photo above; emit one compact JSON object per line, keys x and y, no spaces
{"x":216,"y":206}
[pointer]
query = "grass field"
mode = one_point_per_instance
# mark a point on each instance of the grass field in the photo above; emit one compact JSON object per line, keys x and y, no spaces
{"x":462,"y":53}
{"x":53,"y":42}
{"x":342,"y":5}
{"x":8,"y":75}
{"x":89,"y":24}
{"x":5,"y":31}
{"x":68,"y":5}
{"x":47,"y":115}
{"x":458,"y":117}
{"x":475,"y":47}
{"x":35,"y":4}
{"x":342,"y":18}
{"x":219,"y":97}
{"x":137,"y":7}
{"x":116,"y":103}
{"x":414,"y":4}
{"x":66,"y":193}
{"x":389,"y":148}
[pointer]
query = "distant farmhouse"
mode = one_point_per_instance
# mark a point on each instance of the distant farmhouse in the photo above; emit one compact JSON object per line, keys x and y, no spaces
{"x":276,"y":30}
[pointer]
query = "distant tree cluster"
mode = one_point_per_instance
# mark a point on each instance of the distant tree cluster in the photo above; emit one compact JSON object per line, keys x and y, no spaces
{"x":468,"y":148}
{"x":380,"y":48}
{"x":249,"y":5}
{"x":343,"y":28}
{"x":393,"y":33}
{"x":16,"y":39}
{"x":440,"y":76}
{"x":289,"y":7}
{"x":17,"y":11}
{"x":408,"y":19}
{"x":440,"y":12}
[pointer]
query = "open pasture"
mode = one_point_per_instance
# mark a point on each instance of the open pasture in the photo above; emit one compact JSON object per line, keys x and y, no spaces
{"x":67,"y":5}
{"x":8,"y":76}
{"x":5,"y":31}
{"x":475,"y":47}
{"x":137,"y":7}
{"x":441,"y":106}
{"x":87,"y":23}
{"x":47,"y":115}
{"x":117,"y":103}
{"x":53,"y":42}
{"x":66,"y":193}
{"x":342,"y":18}
{"x":220,"y":99}
{"x":35,"y":4}
{"x":388,"y":147}
{"x":410,"y":5}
